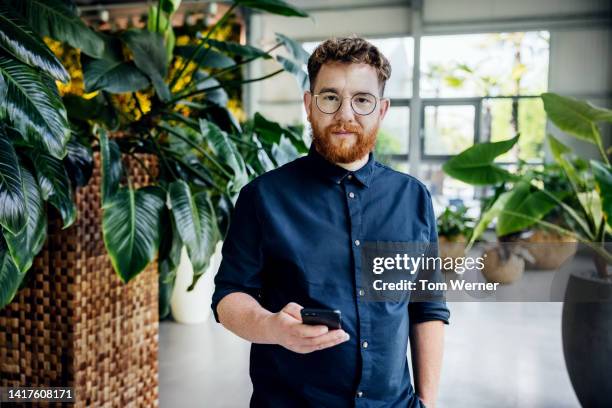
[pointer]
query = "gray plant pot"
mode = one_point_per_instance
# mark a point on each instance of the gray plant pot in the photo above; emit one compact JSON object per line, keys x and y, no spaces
{"x":587,"y":337}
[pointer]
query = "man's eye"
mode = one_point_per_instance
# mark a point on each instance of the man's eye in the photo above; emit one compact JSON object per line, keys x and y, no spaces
{"x":331,"y":98}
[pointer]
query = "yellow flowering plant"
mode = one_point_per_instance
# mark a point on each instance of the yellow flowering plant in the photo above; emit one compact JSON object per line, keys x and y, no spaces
{"x":69,"y":89}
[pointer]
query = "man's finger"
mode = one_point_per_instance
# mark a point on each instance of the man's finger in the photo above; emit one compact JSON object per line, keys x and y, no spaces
{"x":329,"y":340}
{"x":308,"y":331}
{"x":334,"y":336}
{"x":293,"y":310}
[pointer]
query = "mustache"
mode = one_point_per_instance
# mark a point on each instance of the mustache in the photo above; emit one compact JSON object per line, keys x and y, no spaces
{"x":344,"y":127}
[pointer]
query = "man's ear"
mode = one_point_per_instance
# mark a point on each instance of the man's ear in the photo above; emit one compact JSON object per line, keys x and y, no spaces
{"x":307,"y":100}
{"x":385,"y":103}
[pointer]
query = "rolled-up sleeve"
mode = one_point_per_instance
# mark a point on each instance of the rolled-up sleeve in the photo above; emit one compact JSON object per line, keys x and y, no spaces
{"x":430,"y":310}
{"x":240,"y":269}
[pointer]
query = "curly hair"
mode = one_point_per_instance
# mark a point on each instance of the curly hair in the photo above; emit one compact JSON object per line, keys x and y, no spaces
{"x":349,"y":50}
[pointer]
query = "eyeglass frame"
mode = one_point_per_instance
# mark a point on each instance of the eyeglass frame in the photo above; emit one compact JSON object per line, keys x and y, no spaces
{"x":377,"y":98}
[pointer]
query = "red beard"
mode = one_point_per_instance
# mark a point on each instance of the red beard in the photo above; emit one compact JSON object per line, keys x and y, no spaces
{"x":337,"y":150}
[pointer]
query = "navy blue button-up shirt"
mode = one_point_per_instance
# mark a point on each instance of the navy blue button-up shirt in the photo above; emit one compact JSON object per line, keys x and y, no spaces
{"x":295,"y":237}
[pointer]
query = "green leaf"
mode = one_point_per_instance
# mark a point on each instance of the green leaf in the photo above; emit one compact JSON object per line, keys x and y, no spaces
{"x":169,"y":260}
{"x":575,"y":117}
{"x":273,"y":6}
{"x":131,"y":228}
{"x":295,"y":48}
{"x":603,"y":181}
{"x":558,"y":151}
{"x":10,"y":277}
{"x":300,"y":75}
{"x":485,"y":218}
{"x":149,"y":54}
{"x":18,"y":39}
{"x":112,"y":75}
{"x":26,"y":244}
{"x":217,"y":96}
{"x":226,"y":150}
{"x":111,"y":166}
{"x":55,"y":185}
{"x":13,"y":210}
{"x":55,"y":19}
{"x":205,"y":58}
{"x":475,"y":164}
{"x":234,"y":48}
{"x":170,"y":6}
{"x":33,"y":104}
{"x":196,"y":223}
{"x":79,"y":163}
{"x":534,"y":205}
{"x":96,"y":109}
{"x":284,"y":152}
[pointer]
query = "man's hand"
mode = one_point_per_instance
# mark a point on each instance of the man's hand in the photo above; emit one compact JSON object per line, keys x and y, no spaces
{"x":287,"y":329}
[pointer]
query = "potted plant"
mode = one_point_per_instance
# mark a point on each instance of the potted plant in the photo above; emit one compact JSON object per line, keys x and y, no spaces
{"x":454,"y":229}
{"x":587,"y":207}
{"x":151,"y":181}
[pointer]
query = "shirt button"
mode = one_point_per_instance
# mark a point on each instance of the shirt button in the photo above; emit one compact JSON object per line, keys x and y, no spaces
{"x":361,"y":292}
{"x":352,"y":195}
{"x":357,"y":243}
{"x":350,"y":176}
{"x":359,"y":394}
{"x":365,"y":344}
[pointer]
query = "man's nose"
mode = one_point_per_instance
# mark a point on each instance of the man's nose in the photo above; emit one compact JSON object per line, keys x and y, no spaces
{"x":345,"y":113}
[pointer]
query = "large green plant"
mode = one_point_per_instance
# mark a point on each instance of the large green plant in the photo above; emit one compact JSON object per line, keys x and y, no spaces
{"x":587,"y":204}
{"x":205,"y":155}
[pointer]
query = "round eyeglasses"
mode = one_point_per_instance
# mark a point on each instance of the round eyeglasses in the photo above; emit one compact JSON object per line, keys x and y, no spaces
{"x":330,"y":102}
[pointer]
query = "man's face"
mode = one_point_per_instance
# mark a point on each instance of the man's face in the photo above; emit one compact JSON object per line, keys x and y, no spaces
{"x":345,"y":136}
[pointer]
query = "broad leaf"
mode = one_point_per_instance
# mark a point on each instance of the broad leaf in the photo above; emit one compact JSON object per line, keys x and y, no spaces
{"x":225,"y":149}
{"x":300,"y":75}
{"x":295,"y":48}
{"x":26,"y":244}
{"x":205,"y":57}
{"x":112,"y":75}
{"x":55,"y":185}
{"x":559,"y":152}
{"x":170,"y":6}
{"x":533,"y":205}
{"x":33,"y":104}
{"x":55,"y":19}
{"x":78,"y":163}
{"x":273,"y":6}
{"x":169,"y":258}
{"x":475,"y":164}
{"x":603,"y":181}
{"x":488,"y":216}
{"x":575,"y":117}
{"x":149,"y":54}
{"x":234,"y":48}
{"x":18,"y":39}
{"x":131,"y":227}
{"x":10,"y":277}
{"x":13,"y":211}
{"x":96,"y":109}
{"x":284,"y":152}
{"x":218,"y":95}
{"x":111,"y":166}
{"x":196,"y":223}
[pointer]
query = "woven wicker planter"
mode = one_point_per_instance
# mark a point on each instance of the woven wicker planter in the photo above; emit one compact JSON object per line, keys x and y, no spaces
{"x":75,"y":324}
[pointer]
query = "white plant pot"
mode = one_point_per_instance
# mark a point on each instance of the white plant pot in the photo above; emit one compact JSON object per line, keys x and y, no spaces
{"x":194,"y":306}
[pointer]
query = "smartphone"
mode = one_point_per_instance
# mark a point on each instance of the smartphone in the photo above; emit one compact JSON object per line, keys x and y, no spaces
{"x":326,"y":317}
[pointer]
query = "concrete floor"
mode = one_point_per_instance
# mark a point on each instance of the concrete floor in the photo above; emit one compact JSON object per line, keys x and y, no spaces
{"x":496,"y":355}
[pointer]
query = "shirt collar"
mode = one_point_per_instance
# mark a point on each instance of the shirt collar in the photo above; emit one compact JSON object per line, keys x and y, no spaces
{"x":336,"y":173}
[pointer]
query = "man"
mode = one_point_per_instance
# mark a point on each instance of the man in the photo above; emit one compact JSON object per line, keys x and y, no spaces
{"x":295,"y":241}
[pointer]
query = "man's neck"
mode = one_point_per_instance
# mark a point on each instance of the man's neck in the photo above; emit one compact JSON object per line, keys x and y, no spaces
{"x":356,"y":165}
